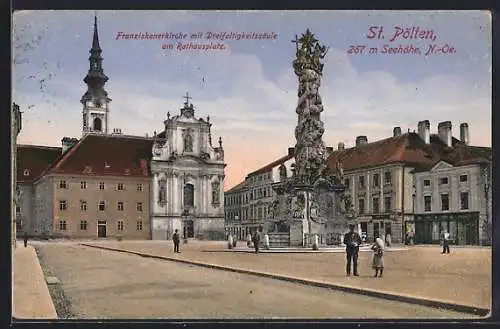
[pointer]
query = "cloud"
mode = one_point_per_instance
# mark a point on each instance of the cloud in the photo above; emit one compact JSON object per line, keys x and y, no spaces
{"x":253,"y":111}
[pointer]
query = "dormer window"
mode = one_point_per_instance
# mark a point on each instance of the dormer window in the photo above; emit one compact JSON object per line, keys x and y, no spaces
{"x":26,"y":172}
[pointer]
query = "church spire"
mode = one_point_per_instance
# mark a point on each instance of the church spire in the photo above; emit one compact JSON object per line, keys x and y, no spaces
{"x":95,"y":78}
{"x":95,"y":40}
{"x":95,"y":100}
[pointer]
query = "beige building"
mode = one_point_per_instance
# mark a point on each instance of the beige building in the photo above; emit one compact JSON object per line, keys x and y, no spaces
{"x":454,"y":195}
{"x":380,"y":176}
{"x":253,"y":197}
{"x":99,"y":187}
{"x":233,"y":200}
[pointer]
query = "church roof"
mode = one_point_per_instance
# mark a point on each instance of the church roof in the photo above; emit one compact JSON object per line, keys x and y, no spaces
{"x":32,"y":160}
{"x":106,"y":155}
{"x":409,"y":149}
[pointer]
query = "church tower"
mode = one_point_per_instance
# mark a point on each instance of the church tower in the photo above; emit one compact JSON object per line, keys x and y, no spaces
{"x":95,"y":100}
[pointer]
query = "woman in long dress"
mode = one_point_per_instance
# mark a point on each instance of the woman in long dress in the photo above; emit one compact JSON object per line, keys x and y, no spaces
{"x":378,"y":257}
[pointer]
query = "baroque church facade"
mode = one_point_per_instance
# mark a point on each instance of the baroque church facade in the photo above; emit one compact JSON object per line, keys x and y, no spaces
{"x":187,"y":178}
{"x":108,"y":184}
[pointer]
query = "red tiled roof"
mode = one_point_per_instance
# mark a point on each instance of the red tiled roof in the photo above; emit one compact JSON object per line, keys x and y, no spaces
{"x":33,"y":160}
{"x":236,"y":187}
{"x":407,"y":148}
{"x":273,"y":164}
{"x":109,"y":155}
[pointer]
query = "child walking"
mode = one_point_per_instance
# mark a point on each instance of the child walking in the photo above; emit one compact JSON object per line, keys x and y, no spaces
{"x":378,"y":257}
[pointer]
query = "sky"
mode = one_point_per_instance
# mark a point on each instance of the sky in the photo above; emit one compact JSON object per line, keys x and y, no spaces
{"x":249,"y":88}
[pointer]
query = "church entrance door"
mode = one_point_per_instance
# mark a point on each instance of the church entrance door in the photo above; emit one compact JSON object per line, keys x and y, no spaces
{"x":101,"y":229}
{"x":189,"y":229}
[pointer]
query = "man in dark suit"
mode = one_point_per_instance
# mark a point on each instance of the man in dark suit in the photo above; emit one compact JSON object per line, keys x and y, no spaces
{"x":177,"y":240}
{"x":352,"y":240}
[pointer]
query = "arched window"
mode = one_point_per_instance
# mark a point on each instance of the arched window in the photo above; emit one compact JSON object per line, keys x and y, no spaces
{"x":97,"y":124}
{"x":188,"y":195}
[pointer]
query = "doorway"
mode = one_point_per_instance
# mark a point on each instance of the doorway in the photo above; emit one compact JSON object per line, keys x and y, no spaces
{"x":188,"y":229}
{"x":101,"y":229}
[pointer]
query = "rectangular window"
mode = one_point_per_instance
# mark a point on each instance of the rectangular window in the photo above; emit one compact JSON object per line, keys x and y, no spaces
{"x":445,"y":202}
{"x":376,"y":205}
{"x":463,"y":178}
{"x":361,"y":206}
{"x":120,"y":206}
{"x":62,"y":225}
{"x":427,"y":203}
{"x":139,"y":187}
{"x":443,"y":181}
{"x":346,"y":182}
{"x":83,"y":205}
{"x":139,"y":225}
{"x":101,"y":185}
{"x":102,"y":205}
{"x":83,"y":225}
{"x":361,"y":181}
{"x":427,"y":182}
{"x":388,"y":203}
{"x":83,"y":185}
{"x":387,"y":178}
{"x":63,"y":205}
{"x":139,"y":206}
{"x":376,"y":180}
{"x":120,"y":225}
{"x":120,"y":187}
{"x":464,"y":201}
{"x":62,"y":184}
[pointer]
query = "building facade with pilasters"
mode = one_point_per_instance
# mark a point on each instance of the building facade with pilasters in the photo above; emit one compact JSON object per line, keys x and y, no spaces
{"x":419,"y":184}
{"x":188,"y":178}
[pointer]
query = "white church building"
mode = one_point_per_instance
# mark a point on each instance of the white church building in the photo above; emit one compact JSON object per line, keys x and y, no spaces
{"x":187,"y":179}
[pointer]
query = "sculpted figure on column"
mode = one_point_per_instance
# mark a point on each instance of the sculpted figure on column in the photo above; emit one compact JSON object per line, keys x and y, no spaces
{"x":309,"y":131}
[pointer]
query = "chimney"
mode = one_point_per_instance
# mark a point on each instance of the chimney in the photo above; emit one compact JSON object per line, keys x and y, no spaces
{"x":291,"y":151}
{"x":464,"y":133}
{"x":67,"y":142}
{"x":361,"y":140}
{"x":329,"y":150}
{"x":396,"y":131}
{"x":444,"y":132}
{"x":341,"y":146}
{"x":424,"y":131}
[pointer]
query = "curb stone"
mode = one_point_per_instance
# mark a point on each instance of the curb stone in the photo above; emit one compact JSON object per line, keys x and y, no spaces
{"x":473,"y":310}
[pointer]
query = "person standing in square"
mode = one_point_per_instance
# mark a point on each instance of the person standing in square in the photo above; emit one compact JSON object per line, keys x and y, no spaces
{"x":378,"y":257}
{"x":352,"y":240}
{"x":176,"y":240}
{"x":446,"y":242}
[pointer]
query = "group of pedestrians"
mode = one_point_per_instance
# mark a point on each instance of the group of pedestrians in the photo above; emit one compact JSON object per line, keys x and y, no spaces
{"x":352,"y":241}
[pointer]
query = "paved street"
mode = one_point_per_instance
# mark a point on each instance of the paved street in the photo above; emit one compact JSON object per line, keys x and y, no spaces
{"x":107,"y":284}
{"x":463,"y":277}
